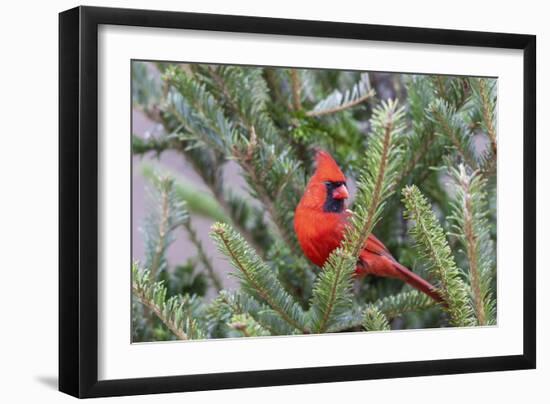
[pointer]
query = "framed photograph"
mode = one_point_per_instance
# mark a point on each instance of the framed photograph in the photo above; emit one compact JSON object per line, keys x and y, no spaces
{"x":251,"y":201}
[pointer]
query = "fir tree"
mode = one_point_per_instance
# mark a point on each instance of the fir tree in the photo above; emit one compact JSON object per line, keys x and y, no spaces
{"x":424,"y":169}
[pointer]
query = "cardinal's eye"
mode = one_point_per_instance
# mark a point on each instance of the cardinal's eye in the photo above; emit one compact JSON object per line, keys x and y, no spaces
{"x":334,"y":184}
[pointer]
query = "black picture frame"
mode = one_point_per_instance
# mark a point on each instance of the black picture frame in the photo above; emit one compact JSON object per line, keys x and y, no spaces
{"x":78,"y":201}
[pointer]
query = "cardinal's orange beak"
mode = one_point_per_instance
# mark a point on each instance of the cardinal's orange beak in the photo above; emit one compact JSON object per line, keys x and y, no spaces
{"x":341,"y":192}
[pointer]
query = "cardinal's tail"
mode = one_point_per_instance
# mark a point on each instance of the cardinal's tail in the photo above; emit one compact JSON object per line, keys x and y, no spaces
{"x":419,"y":283}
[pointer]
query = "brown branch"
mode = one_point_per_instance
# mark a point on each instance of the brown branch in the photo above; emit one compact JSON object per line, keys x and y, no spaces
{"x":296,"y":90}
{"x":440,"y":86}
{"x":241,"y":327}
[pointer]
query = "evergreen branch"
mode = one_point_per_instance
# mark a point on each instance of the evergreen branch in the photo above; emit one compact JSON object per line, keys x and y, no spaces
{"x":376,"y":181}
{"x":167,"y":213}
{"x":471,"y":225}
{"x":293,"y":271}
{"x":195,"y":201}
{"x":484,"y":94}
{"x":205,"y":163}
{"x":454,"y":90}
{"x":257,"y":179}
{"x":450,"y":126}
{"x":172,"y":214}
{"x":296,"y":89}
{"x":405,"y":302}
{"x":255,"y":275}
{"x":332,"y":291}
{"x":250,"y":221}
{"x":199,"y":113}
{"x":141,"y":146}
{"x":337,"y":102}
{"x":174,"y":312}
{"x":207,"y":167}
{"x":391,"y":306}
{"x":228,"y":305}
{"x":417,"y":157}
{"x":352,"y":320}
{"x":474,"y":270}
{"x":158,"y":311}
{"x":162,"y":232}
{"x":488,"y":110}
{"x":423,"y":147}
{"x":245,"y":324}
{"x":234,"y":210}
{"x":275,"y":80}
{"x":207,"y":264}
{"x":375,"y":320}
{"x":245,"y":91}
{"x":342,"y":107}
{"x":434,"y":247}
{"x":267,"y":165}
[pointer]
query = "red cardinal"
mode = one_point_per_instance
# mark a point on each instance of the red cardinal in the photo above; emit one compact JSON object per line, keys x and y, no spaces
{"x":320,"y":220}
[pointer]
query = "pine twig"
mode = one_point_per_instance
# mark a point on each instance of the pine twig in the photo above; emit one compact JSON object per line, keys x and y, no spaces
{"x":433,"y":244}
{"x":157,"y":310}
{"x":342,"y":107}
{"x":438,"y":112}
{"x":175,"y":312}
{"x":470,"y":223}
{"x":485,"y":101}
{"x":390,"y":306}
{"x":166,"y":215}
{"x":375,"y":320}
{"x":256,"y":275}
{"x":338,"y":101}
{"x":471,"y":241}
{"x":378,"y":185}
{"x":404,"y":302}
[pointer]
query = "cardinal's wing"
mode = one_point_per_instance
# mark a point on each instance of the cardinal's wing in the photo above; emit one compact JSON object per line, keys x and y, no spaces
{"x":375,"y":246}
